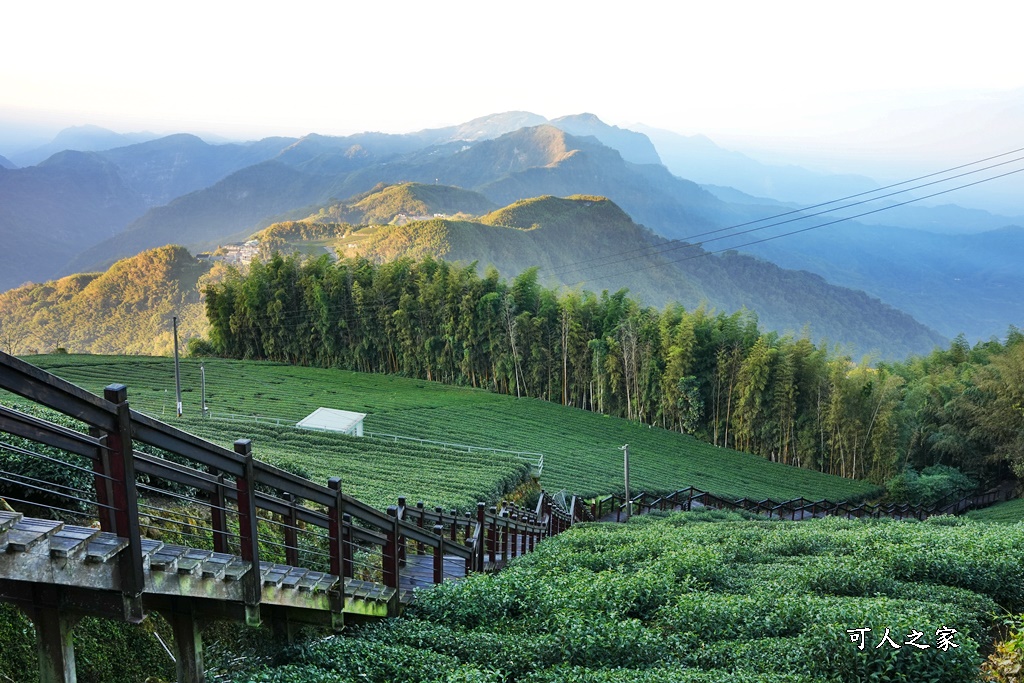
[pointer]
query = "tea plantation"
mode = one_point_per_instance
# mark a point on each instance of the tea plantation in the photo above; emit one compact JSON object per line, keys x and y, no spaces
{"x":702,"y":597}
{"x":581,"y":449}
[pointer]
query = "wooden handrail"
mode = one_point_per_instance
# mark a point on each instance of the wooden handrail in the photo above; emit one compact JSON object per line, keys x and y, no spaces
{"x":225,"y":476}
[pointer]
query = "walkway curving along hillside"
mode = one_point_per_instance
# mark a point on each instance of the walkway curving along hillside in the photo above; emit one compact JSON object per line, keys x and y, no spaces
{"x":241,"y":539}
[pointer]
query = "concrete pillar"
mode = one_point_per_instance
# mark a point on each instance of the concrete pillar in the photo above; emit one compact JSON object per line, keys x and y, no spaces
{"x":188,"y":643}
{"x":54,"y":644}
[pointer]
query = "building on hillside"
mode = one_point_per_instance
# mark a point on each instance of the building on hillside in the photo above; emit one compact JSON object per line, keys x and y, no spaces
{"x":334,"y":420}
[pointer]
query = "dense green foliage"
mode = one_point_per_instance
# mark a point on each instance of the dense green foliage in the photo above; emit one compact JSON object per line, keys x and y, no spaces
{"x":105,"y":650}
{"x":932,"y":486}
{"x":581,"y":448}
{"x":579,"y":241}
{"x":688,"y":598}
{"x":717,"y":376}
{"x":128,"y":309}
{"x":384,"y":203}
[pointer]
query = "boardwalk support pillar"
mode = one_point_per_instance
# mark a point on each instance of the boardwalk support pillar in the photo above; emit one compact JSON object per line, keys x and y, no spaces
{"x":188,"y":643}
{"x":54,"y":644}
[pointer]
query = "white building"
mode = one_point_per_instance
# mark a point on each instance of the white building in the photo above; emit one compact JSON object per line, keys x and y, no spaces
{"x":333,"y":420}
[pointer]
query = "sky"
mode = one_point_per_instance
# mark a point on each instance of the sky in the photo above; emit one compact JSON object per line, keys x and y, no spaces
{"x":792,"y":78}
{"x":728,"y":67}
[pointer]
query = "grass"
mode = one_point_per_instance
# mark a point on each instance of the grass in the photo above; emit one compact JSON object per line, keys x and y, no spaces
{"x":1010,"y":512}
{"x":581,"y":449}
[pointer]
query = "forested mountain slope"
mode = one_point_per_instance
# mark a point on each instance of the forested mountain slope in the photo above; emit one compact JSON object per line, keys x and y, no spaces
{"x":579,"y":242}
{"x":126,"y":310}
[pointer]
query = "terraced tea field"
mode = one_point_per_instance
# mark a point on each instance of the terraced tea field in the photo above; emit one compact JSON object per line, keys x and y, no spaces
{"x":581,"y":449}
{"x":1010,"y":512}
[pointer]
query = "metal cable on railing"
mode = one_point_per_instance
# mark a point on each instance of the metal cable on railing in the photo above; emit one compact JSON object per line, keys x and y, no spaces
{"x":33,"y":487}
{"x":212,"y":489}
{"x":33,"y":454}
{"x":52,"y":484}
{"x":163,"y":530}
{"x":77,"y":514}
{"x":179,"y":496}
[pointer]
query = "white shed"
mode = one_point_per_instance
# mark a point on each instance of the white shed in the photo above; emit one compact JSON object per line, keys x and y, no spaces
{"x":333,"y":420}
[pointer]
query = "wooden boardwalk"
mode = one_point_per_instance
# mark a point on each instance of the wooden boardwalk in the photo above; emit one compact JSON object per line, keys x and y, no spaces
{"x":246,"y":510}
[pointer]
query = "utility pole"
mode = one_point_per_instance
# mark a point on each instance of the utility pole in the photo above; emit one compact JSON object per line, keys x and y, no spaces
{"x":625,"y":466}
{"x":177,"y":370}
{"x":202,"y":375}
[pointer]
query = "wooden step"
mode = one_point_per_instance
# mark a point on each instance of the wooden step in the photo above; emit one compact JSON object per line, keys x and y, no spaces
{"x":7,"y":521}
{"x":309,"y":581}
{"x":273,"y":574}
{"x":71,"y":541}
{"x":236,"y":569}
{"x":166,"y":558}
{"x":104,"y":546}
{"x":216,"y":565}
{"x":368,"y":590}
{"x":29,"y":533}
{"x":326,"y":583}
{"x":192,"y":559}
{"x":150,"y":546}
{"x":292,"y":578}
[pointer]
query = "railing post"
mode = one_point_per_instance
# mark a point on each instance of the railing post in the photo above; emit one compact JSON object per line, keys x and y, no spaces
{"x":218,"y":516}
{"x":340,"y":551}
{"x":126,"y":502}
{"x":346,"y":547}
{"x":401,"y":537}
{"x":453,"y":532}
{"x":492,"y":536}
{"x":252,"y":582}
{"x":514,"y":536}
{"x":334,"y":532}
{"x":390,"y":556}
{"x":291,"y":536}
{"x":481,"y":541}
{"x":439,"y":554}
{"x":420,"y":509}
{"x":507,"y":539}
{"x":103,"y":484}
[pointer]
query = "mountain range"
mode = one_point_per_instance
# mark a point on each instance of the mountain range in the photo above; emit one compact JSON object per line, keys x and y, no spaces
{"x":81,"y":211}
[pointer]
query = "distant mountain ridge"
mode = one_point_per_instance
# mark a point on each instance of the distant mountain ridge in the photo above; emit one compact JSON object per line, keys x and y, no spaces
{"x":126,"y":310}
{"x":534,"y":233}
{"x":50,"y":212}
{"x":701,"y":160}
{"x":86,"y":138}
{"x":518,"y":165}
{"x":180,"y":189}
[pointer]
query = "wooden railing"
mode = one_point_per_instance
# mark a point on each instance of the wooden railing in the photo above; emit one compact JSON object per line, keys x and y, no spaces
{"x":252,"y":509}
{"x":794,"y":509}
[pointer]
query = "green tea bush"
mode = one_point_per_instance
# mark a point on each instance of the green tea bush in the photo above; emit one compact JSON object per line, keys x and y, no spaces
{"x":690,"y":600}
{"x":933,"y":485}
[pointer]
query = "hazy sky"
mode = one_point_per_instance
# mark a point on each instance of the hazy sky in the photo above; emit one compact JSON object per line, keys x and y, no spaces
{"x":722,"y":68}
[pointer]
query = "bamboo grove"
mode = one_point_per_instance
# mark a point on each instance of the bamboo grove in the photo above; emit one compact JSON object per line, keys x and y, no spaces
{"x":716,"y":376}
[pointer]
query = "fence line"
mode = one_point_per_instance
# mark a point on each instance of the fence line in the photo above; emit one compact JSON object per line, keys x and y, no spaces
{"x":535,"y":460}
{"x":795,"y":509}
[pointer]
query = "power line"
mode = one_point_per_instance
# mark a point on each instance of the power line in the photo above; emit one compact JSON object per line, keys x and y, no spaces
{"x":683,"y":242}
{"x":795,"y":232}
{"x":346,"y":310}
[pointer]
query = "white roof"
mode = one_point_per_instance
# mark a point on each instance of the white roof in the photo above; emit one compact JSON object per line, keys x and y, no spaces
{"x":332,"y":420}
